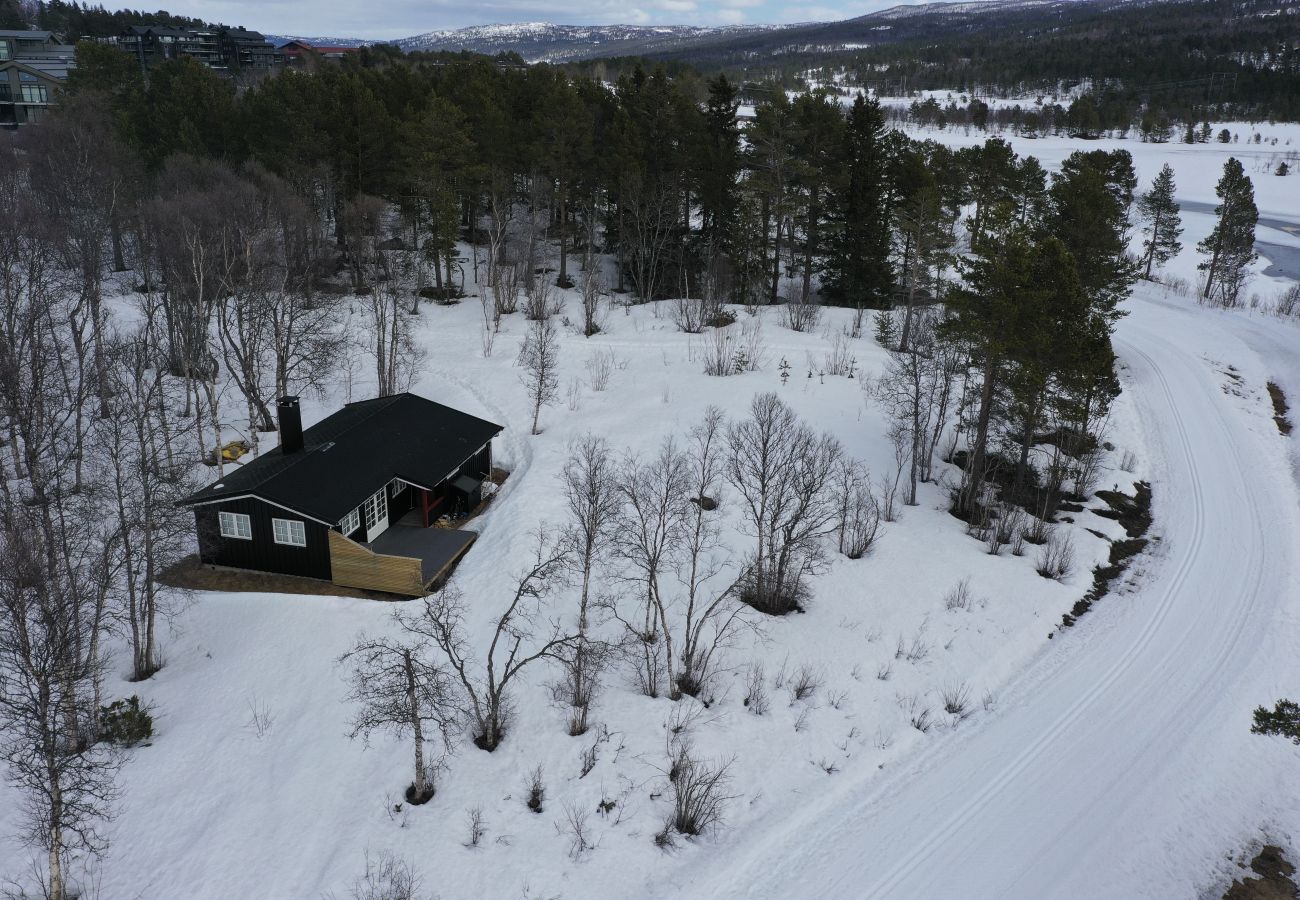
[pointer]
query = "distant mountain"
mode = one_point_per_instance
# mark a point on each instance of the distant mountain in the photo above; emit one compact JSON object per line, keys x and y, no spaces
{"x":544,"y":42}
{"x":281,"y":39}
{"x":547,"y":42}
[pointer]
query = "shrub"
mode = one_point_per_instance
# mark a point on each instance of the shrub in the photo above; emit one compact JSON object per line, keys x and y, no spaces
{"x":699,"y":794}
{"x":756,"y":690}
{"x":387,"y":877}
{"x":956,"y":698}
{"x":805,"y":683}
{"x":125,"y":723}
{"x":536,"y":790}
{"x":959,"y":596}
{"x":1056,"y":559}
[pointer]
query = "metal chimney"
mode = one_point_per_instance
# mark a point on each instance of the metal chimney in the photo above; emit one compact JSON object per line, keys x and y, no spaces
{"x":290,"y":425}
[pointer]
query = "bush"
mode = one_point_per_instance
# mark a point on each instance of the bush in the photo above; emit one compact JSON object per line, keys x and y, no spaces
{"x":536,"y":790}
{"x":125,"y":723}
{"x":959,"y":597}
{"x":699,"y":794}
{"x":387,"y":877}
{"x":1056,"y":559}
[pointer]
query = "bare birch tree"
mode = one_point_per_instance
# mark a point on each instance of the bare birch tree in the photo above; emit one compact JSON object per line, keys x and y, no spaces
{"x":399,"y":687}
{"x":539,"y":356}
{"x":147,"y":472}
{"x":649,"y":535}
{"x":47,"y":738}
{"x":591,"y":494}
{"x":522,"y":635}
{"x":782,"y":471}
{"x":711,"y":609}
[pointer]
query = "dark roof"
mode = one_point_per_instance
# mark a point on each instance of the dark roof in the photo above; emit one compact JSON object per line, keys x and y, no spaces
{"x":353,"y":453}
{"x":158,"y":30}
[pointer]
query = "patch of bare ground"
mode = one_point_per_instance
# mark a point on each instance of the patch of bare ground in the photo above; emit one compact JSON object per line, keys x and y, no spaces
{"x":191,"y":574}
{"x":1275,"y":879}
{"x":1134,"y":513}
{"x":1280,"y":408}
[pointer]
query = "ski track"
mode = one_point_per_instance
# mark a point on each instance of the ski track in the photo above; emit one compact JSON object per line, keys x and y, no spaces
{"x":1164,"y":672}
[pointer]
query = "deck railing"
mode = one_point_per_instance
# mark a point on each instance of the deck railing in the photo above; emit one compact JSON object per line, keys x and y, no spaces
{"x":356,"y":566}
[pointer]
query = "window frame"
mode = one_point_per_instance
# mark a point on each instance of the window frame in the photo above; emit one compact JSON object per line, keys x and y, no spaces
{"x":238,"y":519}
{"x":375,"y":509}
{"x":351,"y":522}
{"x":293,"y":528}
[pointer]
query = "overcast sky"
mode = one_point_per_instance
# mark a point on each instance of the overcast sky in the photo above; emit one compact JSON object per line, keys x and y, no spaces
{"x":380,"y":19}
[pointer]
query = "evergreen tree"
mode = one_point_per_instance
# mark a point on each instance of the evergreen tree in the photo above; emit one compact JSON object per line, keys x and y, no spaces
{"x":1283,"y":719}
{"x":818,"y":132}
{"x":771,"y":166}
{"x":1089,"y":201}
{"x":1162,"y":224}
{"x":999,"y":282}
{"x":1231,"y":245}
{"x":719,"y":164}
{"x":990,"y":171}
{"x":858,"y":269}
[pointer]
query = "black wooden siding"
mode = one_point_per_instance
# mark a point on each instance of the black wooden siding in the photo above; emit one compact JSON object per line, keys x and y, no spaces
{"x":262,"y":553}
{"x":400,"y":505}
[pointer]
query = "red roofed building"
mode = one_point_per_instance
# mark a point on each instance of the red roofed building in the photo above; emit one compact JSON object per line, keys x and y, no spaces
{"x":297,"y":51}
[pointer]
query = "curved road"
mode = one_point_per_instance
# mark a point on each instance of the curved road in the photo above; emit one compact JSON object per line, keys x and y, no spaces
{"x":1120,"y":765}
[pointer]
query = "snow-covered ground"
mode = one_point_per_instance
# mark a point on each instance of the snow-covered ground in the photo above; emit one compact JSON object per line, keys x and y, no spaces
{"x":1122,"y":742}
{"x":1120,"y":765}
{"x":210,"y":808}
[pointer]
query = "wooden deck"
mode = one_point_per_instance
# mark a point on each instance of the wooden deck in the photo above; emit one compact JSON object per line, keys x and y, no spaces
{"x":405,"y":559}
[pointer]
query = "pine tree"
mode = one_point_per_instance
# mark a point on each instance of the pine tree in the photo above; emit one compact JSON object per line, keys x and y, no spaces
{"x":718,"y":164}
{"x":1089,"y":201}
{"x":1231,"y":245}
{"x":857,"y":268}
{"x":1163,"y":226}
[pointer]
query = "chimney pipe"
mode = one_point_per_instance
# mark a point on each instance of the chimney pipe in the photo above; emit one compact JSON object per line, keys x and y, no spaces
{"x":290,"y":425}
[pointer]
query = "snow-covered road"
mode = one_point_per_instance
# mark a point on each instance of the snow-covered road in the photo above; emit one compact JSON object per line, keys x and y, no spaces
{"x":1121,"y":764}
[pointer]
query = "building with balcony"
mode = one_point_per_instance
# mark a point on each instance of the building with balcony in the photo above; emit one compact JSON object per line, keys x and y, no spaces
{"x":33,"y":65}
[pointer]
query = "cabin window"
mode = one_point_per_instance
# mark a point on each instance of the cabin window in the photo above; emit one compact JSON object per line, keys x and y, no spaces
{"x":236,"y":525}
{"x":351,"y":522}
{"x":289,"y":531}
{"x":376,"y":510}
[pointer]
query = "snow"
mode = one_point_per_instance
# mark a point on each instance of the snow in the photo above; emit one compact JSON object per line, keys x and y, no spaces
{"x":208,"y":793}
{"x":1121,"y":764}
{"x":1111,"y":761}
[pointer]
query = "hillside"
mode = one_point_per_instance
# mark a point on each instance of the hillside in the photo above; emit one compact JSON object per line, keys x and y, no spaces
{"x":541,"y":41}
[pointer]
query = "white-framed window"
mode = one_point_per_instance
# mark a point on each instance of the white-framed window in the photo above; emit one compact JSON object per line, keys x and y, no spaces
{"x":236,"y":525}
{"x":351,"y":522}
{"x":289,"y":531}
{"x":395,"y":487}
{"x":376,"y":509}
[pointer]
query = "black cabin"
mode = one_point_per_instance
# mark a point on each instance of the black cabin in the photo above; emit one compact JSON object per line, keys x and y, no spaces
{"x":396,"y":461}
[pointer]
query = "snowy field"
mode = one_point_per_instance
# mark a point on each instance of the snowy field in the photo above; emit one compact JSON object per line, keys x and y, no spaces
{"x":218,"y":808}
